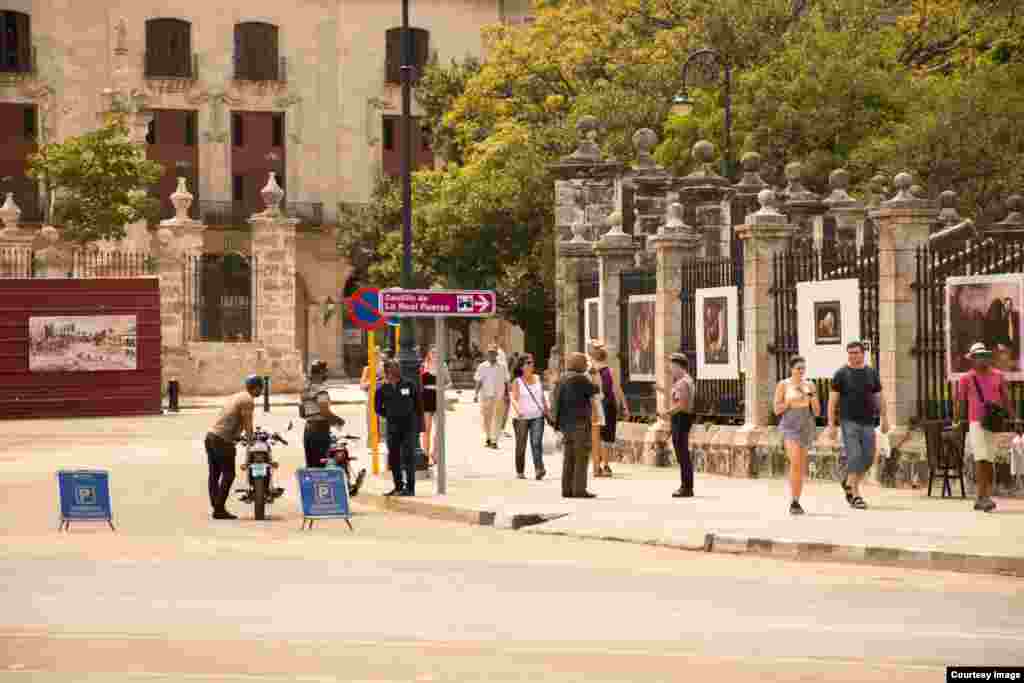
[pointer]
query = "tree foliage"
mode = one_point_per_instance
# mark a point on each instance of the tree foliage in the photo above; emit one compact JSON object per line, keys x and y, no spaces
{"x":98,"y":183}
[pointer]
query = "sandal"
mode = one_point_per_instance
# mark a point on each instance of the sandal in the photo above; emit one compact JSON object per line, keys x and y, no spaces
{"x":607,"y":471}
{"x":858,"y":503}
{"x":846,"y":490}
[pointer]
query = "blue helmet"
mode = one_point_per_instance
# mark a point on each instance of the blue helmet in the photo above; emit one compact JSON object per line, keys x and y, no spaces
{"x":254,"y":381}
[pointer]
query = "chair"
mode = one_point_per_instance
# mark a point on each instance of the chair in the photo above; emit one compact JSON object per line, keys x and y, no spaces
{"x":945,"y":457}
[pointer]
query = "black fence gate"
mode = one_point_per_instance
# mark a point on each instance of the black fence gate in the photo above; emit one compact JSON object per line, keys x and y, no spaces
{"x":803,"y":264}
{"x":974,"y":317}
{"x":222,"y":291}
{"x":718,"y":400}
{"x":636,"y":352}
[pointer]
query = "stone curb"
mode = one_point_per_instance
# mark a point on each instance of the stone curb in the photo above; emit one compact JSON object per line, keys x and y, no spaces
{"x":259,"y":405}
{"x":722,"y":543}
{"x":872,"y":555}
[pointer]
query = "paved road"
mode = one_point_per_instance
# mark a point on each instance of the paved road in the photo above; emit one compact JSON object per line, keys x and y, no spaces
{"x":174,"y":596}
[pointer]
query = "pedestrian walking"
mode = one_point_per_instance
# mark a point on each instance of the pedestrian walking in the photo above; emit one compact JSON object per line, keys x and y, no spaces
{"x":315,"y":409}
{"x":400,"y":404}
{"x":611,"y":400}
{"x":983,"y":398}
{"x":491,"y":387}
{"x":530,"y":409}
{"x":680,"y":413}
{"x":234,"y":420}
{"x":796,"y":404}
{"x":504,"y":405}
{"x":853,"y":402}
{"x":428,"y":380}
{"x":574,"y":409}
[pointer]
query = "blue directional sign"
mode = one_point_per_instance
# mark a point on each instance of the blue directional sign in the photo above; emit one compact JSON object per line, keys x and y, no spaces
{"x":84,"y":496}
{"x":324,"y":494}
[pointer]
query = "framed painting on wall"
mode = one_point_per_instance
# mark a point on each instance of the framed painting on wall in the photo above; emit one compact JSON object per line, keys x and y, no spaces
{"x":640,"y":323}
{"x":82,"y":343}
{"x":985,"y":308}
{"x":828,"y":323}
{"x":592,"y":319}
{"x":717,"y":333}
{"x":828,"y":318}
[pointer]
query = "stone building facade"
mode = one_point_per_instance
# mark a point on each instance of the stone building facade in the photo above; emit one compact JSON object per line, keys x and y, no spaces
{"x":223,"y":94}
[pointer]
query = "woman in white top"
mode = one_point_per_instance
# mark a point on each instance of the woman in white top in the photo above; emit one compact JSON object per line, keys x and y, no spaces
{"x":529,"y":409}
{"x":796,"y":404}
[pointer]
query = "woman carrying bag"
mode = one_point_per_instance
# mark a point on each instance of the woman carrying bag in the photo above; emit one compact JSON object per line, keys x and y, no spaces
{"x":530,"y":410}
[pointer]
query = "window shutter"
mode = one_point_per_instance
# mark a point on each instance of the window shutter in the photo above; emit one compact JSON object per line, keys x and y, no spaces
{"x":270,"y":52}
{"x":393,"y":64}
{"x":23,"y":38}
{"x":420,"y":50}
{"x":241,"y":53}
{"x":182,"y":31}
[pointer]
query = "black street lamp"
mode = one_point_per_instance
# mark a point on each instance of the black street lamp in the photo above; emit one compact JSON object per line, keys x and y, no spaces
{"x":407,"y":360}
{"x":714,"y":68}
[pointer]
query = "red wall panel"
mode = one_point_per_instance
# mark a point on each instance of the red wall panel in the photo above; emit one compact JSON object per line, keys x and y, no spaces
{"x":70,"y":394}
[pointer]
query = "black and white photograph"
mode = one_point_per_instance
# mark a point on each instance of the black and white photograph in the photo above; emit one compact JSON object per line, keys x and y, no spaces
{"x":828,"y":323}
{"x":985,"y":308}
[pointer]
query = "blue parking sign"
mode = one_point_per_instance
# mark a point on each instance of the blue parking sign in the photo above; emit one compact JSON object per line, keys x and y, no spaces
{"x":324,"y":494}
{"x":84,"y":497}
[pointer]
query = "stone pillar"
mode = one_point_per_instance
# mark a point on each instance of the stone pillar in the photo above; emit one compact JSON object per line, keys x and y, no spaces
{"x":273,"y":246}
{"x":1010,"y":228}
{"x":574,"y":256}
{"x":675,"y":242}
{"x":615,"y":254}
{"x":903,"y":224}
{"x":764,"y":234}
{"x":804,"y":208}
{"x":178,"y":240}
{"x":848,"y":213}
{"x":705,"y":196}
{"x":15,"y":243}
{"x":55,"y":259}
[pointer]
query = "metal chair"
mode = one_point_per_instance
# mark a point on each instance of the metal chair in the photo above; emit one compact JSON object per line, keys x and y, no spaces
{"x":945,"y":457}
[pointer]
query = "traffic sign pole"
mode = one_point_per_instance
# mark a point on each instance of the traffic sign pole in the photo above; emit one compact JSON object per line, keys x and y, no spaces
{"x":442,"y":405}
{"x":371,"y":363}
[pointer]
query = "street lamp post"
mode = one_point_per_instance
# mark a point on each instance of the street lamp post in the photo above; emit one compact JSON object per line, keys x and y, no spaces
{"x":712,"y":63}
{"x":407,"y":359}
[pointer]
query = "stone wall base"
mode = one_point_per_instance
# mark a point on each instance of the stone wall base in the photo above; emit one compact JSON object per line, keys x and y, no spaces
{"x":218,"y":369}
{"x":734,"y":452}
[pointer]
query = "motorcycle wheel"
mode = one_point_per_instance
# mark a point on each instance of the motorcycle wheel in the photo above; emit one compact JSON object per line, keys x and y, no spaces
{"x":259,"y":497}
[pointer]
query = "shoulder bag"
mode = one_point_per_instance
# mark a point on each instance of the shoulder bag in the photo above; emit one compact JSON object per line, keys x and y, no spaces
{"x":994,"y":416}
{"x":547,"y":417}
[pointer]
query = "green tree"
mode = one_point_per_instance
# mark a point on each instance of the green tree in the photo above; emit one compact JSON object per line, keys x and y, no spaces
{"x":97,"y":183}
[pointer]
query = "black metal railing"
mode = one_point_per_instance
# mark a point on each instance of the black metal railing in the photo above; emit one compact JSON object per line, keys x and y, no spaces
{"x":636,"y":348}
{"x":221,"y":292}
{"x":948,"y":320}
{"x":227,"y":213}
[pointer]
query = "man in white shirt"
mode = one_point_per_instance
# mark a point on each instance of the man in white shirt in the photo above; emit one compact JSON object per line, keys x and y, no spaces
{"x":491,"y":387}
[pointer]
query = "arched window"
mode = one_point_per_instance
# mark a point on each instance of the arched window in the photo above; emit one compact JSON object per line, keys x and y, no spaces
{"x":168,"y":48}
{"x":15,"y":42}
{"x":256,"y":52}
{"x":420,"y":53}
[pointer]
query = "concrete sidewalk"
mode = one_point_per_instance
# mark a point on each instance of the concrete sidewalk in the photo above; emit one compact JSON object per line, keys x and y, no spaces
{"x":901,"y":527}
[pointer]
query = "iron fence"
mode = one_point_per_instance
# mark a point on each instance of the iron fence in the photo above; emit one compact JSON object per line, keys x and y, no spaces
{"x":937,"y":327}
{"x":717,"y":400}
{"x":221,"y":294}
{"x":636,"y":350}
{"x":807,"y":264}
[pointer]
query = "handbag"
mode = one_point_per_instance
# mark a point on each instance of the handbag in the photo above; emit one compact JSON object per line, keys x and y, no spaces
{"x":547,"y":418}
{"x":994,"y":416}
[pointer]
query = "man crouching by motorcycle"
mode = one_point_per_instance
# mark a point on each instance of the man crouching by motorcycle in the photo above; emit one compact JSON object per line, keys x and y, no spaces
{"x":315,"y":408}
{"x":234,"y":419}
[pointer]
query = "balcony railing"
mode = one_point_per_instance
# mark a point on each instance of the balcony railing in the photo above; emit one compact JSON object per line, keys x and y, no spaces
{"x":248,"y":73}
{"x":226,"y":213}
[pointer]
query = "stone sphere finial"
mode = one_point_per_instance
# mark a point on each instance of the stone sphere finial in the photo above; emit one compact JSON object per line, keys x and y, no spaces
{"x":839,"y":179}
{"x":50,"y":234}
{"x":947,"y":199}
{"x":768,"y":200}
{"x":164,"y":236}
{"x":903,"y":181}
{"x":948,"y":215}
{"x":644,"y":140}
{"x":1015,"y":217}
{"x":704,"y":152}
{"x":751,"y":162}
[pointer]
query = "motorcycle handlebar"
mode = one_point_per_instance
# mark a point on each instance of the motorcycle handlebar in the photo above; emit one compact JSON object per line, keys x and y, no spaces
{"x":279,"y":438}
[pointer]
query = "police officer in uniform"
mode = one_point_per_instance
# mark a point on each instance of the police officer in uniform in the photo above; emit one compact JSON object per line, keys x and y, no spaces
{"x":399,"y":402}
{"x":316,"y":410}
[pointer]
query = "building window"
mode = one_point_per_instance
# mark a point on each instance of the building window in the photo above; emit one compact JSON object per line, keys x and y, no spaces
{"x":237,"y":188}
{"x":393,"y":59}
{"x":168,"y":48}
{"x":30,"y":124}
{"x":389,"y":133}
{"x":277,"y":136}
{"x":256,"y":52}
{"x":15,"y":42}
{"x":237,"y":130}
{"x":151,"y":131}
{"x":190,"y":129}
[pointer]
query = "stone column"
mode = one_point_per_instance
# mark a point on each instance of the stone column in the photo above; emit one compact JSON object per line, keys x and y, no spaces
{"x":803,"y":207}
{"x":574,"y":254}
{"x":903,"y":224}
{"x":1010,"y":228}
{"x":273,"y":246}
{"x":178,"y":240}
{"x":674,"y":242}
{"x":615,"y":254}
{"x":705,"y":196}
{"x":764,"y":234}
{"x":849,"y":213}
{"x":15,"y":243}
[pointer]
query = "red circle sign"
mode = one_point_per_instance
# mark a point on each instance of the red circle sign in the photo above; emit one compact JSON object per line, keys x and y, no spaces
{"x":364,"y":309}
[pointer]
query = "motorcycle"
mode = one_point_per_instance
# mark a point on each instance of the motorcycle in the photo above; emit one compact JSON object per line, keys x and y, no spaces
{"x":338,"y":456}
{"x":259,"y":466}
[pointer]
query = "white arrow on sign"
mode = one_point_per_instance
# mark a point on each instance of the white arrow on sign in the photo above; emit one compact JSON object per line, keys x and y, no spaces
{"x":482,"y":303}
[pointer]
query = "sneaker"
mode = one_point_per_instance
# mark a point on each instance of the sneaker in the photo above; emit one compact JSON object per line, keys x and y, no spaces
{"x":224,"y":514}
{"x":540,"y":474}
{"x":520,"y":476}
{"x":795,"y":509}
{"x":985,"y":505}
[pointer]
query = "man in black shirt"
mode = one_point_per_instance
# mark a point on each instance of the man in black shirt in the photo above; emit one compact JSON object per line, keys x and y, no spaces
{"x":398,"y":402}
{"x":855,"y":399}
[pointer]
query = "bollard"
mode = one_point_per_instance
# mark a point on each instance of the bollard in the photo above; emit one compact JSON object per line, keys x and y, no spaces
{"x":172,"y":396}
{"x":266,"y":393}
